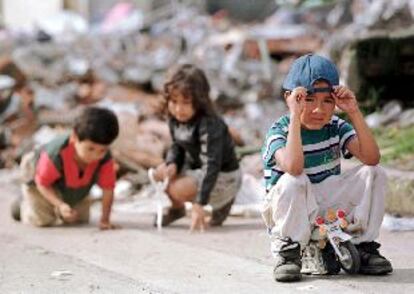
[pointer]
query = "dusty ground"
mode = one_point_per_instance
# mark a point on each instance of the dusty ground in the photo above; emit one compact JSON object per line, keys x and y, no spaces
{"x":138,"y":259}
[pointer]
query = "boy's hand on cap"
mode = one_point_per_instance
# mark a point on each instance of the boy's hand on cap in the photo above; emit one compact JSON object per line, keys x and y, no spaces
{"x":345,"y":99}
{"x":295,"y":100}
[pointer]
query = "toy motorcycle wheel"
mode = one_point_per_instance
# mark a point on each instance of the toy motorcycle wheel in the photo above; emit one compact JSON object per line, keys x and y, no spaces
{"x":351,"y":260}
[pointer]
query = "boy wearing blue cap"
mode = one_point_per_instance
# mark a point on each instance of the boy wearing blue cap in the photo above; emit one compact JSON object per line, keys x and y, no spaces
{"x":301,"y":157}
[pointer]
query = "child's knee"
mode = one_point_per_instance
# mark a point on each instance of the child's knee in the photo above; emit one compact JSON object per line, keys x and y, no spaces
{"x":295,"y":184}
{"x":38,"y":221}
{"x":182,"y":189}
{"x":376,"y":171}
{"x":290,"y":189}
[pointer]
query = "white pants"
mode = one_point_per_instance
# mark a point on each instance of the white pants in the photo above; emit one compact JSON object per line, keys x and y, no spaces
{"x":292,"y":205}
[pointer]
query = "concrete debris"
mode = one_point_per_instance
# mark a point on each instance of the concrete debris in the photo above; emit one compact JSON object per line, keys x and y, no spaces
{"x":392,"y":223}
{"x":121,"y":61}
{"x":122,"y":17}
{"x":64,"y":26}
{"x":385,"y":14}
{"x":389,"y":113}
{"x":406,"y":118}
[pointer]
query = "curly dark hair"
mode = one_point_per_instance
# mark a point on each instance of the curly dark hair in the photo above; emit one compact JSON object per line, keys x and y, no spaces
{"x":98,"y":125}
{"x":191,"y":82}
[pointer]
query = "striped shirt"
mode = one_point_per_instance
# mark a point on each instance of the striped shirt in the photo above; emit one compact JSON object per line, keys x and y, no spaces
{"x":322,"y":149}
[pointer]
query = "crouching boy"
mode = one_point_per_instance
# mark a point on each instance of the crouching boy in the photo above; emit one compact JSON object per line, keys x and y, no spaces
{"x":60,"y":174}
{"x":302,"y":169}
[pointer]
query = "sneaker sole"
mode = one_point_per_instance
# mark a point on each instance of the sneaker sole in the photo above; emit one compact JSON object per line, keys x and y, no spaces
{"x":288,"y":278}
{"x":15,"y":210}
{"x":224,"y":213}
{"x":374,"y":270}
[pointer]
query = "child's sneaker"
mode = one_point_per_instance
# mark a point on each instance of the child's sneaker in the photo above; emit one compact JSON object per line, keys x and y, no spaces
{"x":15,"y":208}
{"x":288,"y":263}
{"x":172,"y":215}
{"x":219,"y":215}
{"x":372,"y":263}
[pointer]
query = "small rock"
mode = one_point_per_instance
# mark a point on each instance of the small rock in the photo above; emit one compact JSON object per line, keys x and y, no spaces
{"x":406,"y":118}
{"x":61,"y":274}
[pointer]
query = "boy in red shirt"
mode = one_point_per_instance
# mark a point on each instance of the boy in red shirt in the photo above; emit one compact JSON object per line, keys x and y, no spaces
{"x":66,"y":168}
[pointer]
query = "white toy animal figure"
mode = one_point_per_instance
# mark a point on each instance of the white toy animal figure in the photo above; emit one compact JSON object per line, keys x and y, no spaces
{"x":160,"y":196}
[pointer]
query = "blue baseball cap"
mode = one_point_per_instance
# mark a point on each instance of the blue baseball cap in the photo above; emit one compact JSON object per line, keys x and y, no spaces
{"x":309,"y":68}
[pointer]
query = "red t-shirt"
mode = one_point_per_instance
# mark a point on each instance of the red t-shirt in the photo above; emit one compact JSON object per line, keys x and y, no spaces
{"x":47,"y":173}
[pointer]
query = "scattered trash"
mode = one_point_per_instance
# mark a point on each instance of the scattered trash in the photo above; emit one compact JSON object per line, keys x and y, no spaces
{"x":150,"y":200}
{"x":46,"y":134}
{"x":61,"y":274}
{"x":392,"y":223}
{"x":123,"y":189}
{"x":307,"y":288}
{"x":252,"y":191}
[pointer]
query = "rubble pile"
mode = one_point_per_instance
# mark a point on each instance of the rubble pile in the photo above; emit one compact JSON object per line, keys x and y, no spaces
{"x":121,"y":64}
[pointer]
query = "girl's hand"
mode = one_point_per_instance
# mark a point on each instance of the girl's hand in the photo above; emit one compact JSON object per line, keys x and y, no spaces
{"x":163,"y":171}
{"x":171,"y":171}
{"x":108,"y":226}
{"x":295,"y":100}
{"x":345,"y":99}
{"x":197,"y":218}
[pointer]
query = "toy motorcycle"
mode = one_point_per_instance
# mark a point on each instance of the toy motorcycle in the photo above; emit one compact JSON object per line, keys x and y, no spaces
{"x":331,"y":235}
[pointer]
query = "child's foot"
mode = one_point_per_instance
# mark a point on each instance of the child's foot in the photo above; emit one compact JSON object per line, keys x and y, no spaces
{"x":15,"y":208}
{"x":172,"y":215}
{"x":288,"y":263}
{"x":372,"y":263}
{"x":220,"y":215}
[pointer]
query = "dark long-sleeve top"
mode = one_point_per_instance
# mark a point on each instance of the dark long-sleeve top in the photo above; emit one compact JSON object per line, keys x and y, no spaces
{"x":203,"y":142}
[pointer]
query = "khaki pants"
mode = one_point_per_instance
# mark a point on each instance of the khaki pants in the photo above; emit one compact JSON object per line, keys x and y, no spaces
{"x":225,"y":189}
{"x":37,"y":211}
{"x":292,"y":205}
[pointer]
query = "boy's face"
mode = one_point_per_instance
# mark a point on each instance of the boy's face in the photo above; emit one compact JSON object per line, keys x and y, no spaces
{"x":180,"y":106}
{"x":319,"y":108}
{"x":88,"y":151}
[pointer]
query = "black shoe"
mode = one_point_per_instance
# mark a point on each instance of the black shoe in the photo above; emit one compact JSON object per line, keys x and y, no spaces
{"x":172,"y":215}
{"x":372,"y":263}
{"x":219,"y":215}
{"x":15,"y":208}
{"x":330,"y":260}
{"x":288,"y":263}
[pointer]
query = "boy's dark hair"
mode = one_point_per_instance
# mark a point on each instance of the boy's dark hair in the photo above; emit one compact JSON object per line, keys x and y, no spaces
{"x":191,"y":82}
{"x":98,"y":125}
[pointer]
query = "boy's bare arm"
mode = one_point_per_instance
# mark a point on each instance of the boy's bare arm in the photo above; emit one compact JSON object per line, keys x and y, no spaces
{"x":363,"y":146}
{"x":50,"y":195}
{"x":65,"y":210}
{"x":291,"y":158}
{"x":107,"y":200}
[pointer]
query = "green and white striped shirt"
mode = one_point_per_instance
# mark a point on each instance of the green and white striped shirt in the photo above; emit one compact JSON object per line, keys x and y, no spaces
{"x":322,"y":149}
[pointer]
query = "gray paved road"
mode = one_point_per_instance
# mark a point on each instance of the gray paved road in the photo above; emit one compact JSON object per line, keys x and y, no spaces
{"x":138,"y":259}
